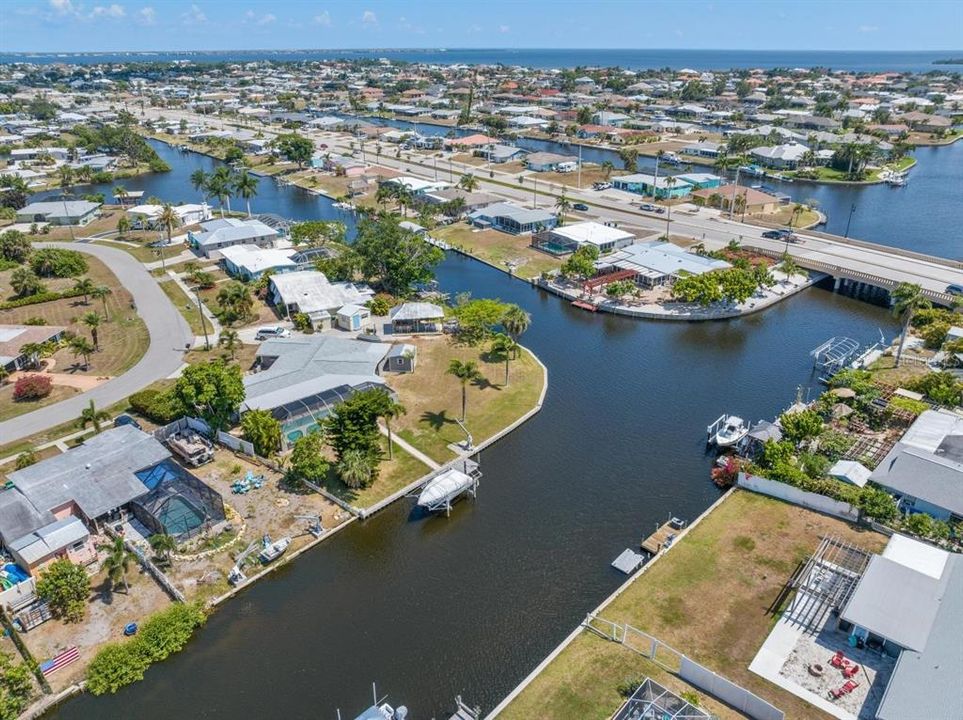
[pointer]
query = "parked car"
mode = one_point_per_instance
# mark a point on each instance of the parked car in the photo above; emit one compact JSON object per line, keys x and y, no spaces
{"x":776,"y":234}
{"x":126,"y":420}
{"x":266,"y":333}
{"x":649,"y":207}
{"x":954,"y":289}
{"x":582,"y":207}
{"x":601,"y":185}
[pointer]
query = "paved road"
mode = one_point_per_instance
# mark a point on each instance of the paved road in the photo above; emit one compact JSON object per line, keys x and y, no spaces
{"x":168,"y":335}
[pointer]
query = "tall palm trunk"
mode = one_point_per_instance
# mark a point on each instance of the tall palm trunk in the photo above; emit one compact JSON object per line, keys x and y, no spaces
{"x":248,"y":201}
{"x":507,"y":360}
{"x":464,"y":400}
{"x":902,"y":337}
{"x":388,"y":428}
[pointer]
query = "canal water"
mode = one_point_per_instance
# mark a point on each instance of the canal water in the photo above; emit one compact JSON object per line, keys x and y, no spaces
{"x":924,"y":215}
{"x":431,"y":607}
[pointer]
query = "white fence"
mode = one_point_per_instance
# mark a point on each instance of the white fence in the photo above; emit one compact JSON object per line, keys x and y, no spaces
{"x":727,"y":691}
{"x":23,"y":593}
{"x":813,"y":501}
{"x":235,"y":443}
{"x":196,"y":424}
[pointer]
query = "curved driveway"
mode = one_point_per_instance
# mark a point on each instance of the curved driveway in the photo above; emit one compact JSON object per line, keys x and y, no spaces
{"x":168,"y":330}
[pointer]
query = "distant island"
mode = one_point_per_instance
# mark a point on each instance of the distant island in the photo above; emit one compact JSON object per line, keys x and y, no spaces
{"x":949,"y":61}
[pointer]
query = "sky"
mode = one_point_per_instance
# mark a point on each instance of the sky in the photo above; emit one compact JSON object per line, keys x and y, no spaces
{"x":104,"y":25}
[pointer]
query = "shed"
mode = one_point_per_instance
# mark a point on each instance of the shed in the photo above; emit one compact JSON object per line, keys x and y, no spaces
{"x":352,"y":317}
{"x":401,"y":358}
{"x":850,"y":471}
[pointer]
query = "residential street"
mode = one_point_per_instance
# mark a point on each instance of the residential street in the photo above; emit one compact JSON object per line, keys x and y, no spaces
{"x":168,"y":331}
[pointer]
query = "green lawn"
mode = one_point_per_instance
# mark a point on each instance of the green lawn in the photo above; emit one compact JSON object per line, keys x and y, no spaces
{"x":708,"y":597}
{"x":499,"y":249}
{"x":393,"y":475}
{"x":144,"y":253}
{"x":433,"y":398}
{"x":185,"y":305}
{"x":9,"y":408}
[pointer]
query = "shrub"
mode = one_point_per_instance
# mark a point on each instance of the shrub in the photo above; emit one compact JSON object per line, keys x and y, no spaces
{"x":55,"y":262}
{"x":35,"y":321}
{"x":156,"y":405}
{"x":381,"y":304}
{"x":302,"y":322}
{"x":66,"y":588}
{"x":26,"y":459}
{"x":32,"y":387}
{"x":39,"y":297}
{"x":799,"y":426}
{"x":934,"y":334}
{"x":115,"y":666}
{"x":940,"y":387}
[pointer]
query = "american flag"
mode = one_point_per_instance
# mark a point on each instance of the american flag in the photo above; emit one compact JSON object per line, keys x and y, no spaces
{"x":65,"y":658}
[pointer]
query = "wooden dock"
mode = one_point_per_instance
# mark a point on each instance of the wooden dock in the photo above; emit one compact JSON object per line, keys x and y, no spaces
{"x":663,"y":536}
{"x":585,"y":305}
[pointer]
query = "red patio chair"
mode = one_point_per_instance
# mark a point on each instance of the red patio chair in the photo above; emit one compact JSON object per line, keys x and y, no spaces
{"x":846,"y":688}
{"x":850,"y":671}
{"x":838,"y":660}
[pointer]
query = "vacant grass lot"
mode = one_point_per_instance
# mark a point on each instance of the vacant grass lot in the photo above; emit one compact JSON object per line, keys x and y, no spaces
{"x":123,"y":339}
{"x":143,"y":253}
{"x":433,"y":398}
{"x":185,"y":305}
{"x":709,"y":598}
{"x":499,"y":249}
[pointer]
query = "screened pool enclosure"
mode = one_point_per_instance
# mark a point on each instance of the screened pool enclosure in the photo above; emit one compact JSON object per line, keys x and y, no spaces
{"x":178,"y":503}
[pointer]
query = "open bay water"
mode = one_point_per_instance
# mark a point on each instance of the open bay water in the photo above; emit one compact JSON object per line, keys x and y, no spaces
{"x":431,"y":607}
{"x":544,"y":58}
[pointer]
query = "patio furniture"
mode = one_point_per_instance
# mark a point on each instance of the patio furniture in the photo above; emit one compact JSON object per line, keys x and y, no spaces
{"x":844,"y":689}
{"x":850,"y":671}
{"x":816,"y":670}
{"x":838,"y":660}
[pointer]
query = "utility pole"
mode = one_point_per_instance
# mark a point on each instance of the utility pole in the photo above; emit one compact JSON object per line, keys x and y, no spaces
{"x":735,"y":190}
{"x":850,"y":220}
{"x":579,"y":181}
{"x":534,"y":192}
{"x":200,"y":311}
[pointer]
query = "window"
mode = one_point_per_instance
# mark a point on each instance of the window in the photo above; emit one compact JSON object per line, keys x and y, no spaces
{"x":78,"y":546}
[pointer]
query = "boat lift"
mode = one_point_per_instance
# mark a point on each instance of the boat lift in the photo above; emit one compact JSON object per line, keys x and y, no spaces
{"x":315,"y":528}
{"x":440,"y":490}
{"x":834,"y":354}
{"x":236,"y":576}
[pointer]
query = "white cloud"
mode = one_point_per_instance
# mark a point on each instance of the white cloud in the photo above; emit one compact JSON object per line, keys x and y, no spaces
{"x":111,"y":11}
{"x":369,"y":18}
{"x":267,"y":19}
{"x":194,"y":16}
{"x":504,"y":29}
{"x":323,"y":19}
{"x":868,"y":28}
{"x":63,"y":7}
{"x":475,"y":28}
{"x":147,"y":16}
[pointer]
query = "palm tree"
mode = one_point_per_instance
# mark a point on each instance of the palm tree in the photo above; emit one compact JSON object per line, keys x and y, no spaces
{"x":90,"y":415}
{"x":562,"y":205}
{"x":655,"y":183}
{"x":236,"y":298}
{"x":24,"y":281}
{"x":629,"y":157}
{"x":392,"y":410}
{"x":118,"y":562}
{"x":199,"y":180}
{"x":386,"y":192}
{"x":354,"y":469}
{"x":907,"y":299}
{"x":789,"y":266}
{"x":84,"y":286}
{"x":797,"y":210}
{"x":169,"y":219}
{"x":92,"y":320}
{"x":219,"y":185}
{"x":100,"y":293}
{"x":516,"y":321}
{"x":468,"y":182}
{"x":66,"y":176}
{"x":246,"y":187}
{"x":163,"y":544}
{"x":607,"y":168}
{"x":466,"y":372}
{"x":4,"y":374}
{"x":34,"y":351}
{"x":120,"y":192}
{"x":230,"y":341}
{"x":81,"y":347}
{"x":505,"y":347}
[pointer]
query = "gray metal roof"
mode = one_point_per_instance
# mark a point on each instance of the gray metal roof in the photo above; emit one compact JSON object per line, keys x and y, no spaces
{"x":59,"y":208}
{"x":416,"y":311}
{"x":232,"y":230}
{"x":921,"y":474}
{"x":98,"y":475}
{"x":50,"y":539}
{"x":306,"y":365}
{"x":896,"y":602}
{"x":18,"y":517}
{"x":523,"y":216}
{"x":926,"y":684}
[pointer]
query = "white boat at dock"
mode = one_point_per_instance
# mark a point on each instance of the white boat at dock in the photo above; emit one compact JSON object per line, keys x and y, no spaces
{"x":273,"y":550}
{"x":727,"y":431}
{"x":343,"y":206}
{"x":439,"y":492}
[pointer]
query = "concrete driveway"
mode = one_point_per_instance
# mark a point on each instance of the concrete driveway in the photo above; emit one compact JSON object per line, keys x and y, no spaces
{"x":168,"y":331}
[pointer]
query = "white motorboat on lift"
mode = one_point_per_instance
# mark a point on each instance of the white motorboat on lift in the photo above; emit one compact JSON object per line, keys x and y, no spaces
{"x":730,"y":431}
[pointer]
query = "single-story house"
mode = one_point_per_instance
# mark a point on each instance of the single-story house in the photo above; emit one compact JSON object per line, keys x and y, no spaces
{"x":14,"y":337}
{"x":59,"y":212}
{"x":644,"y":184}
{"x":783,"y":157}
{"x":703,"y":149}
{"x":249,"y":262}
{"x":417,"y":186}
{"x":924,"y":470}
{"x":499,"y":153}
{"x":120,"y":472}
{"x":472,"y":200}
{"x":416,"y":317}
{"x":755,"y":202}
{"x":700,"y":181}
{"x":546,"y":161}
{"x":470,"y":141}
{"x":658,"y":263}
{"x":908,"y":604}
{"x":568,"y":238}
{"x":402,"y":358}
{"x":218,"y":234}
{"x":924,"y":122}
{"x":513,"y":219}
{"x":310,"y":292}
{"x":300,"y":380}
{"x":147,"y":216}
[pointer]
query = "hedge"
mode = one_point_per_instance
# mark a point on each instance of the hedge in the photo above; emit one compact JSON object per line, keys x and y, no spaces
{"x":164,"y":634}
{"x":156,"y":405}
{"x":39,"y":298}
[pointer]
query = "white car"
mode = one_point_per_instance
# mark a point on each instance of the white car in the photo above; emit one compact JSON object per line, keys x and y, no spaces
{"x":266,"y":333}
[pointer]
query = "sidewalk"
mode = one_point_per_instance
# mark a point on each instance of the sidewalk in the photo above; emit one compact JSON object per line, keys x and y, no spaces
{"x":208,"y":315}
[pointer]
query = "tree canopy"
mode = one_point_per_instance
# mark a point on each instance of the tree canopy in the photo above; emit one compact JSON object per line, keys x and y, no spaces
{"x":394,"y":257}
{"x":295,"y":148}
{"x":66,"y":588}
{"x":213,"y":389}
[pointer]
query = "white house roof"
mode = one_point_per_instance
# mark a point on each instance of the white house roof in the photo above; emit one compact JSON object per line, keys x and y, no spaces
{"x":256,"y":260}
{"x":416,"y":311}
{"x":790,"y":151}
{"x":312,"y":292}
{"x":660,"y":258}
{"x":591,"y":233}
{"x":919,"y":556}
